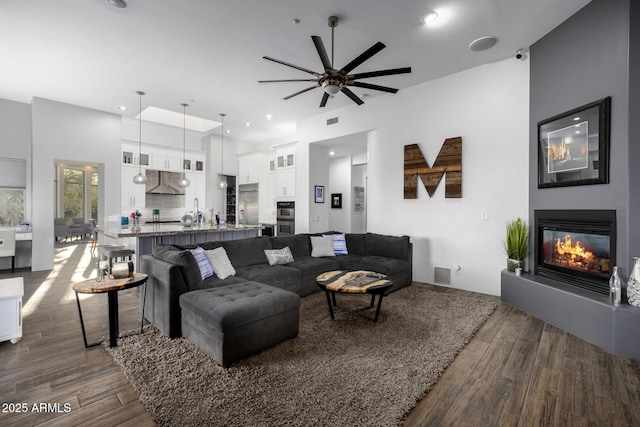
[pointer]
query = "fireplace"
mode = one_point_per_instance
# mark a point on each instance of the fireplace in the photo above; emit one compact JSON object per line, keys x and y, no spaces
{"x":576,"y":247}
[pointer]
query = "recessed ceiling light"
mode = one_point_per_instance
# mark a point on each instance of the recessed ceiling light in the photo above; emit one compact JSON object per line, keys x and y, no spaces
{"x":122,"y":108}
{"x":483,"y":43}
{"x":430,"y":17}
{"x":295,"y":21}
{"x":576,"y":118}
{"x":332,"y":153}
{"x":269,"y":116}
{"x":247,"y":124}
{"x":117,"y":3}
{"x":227,"y":131}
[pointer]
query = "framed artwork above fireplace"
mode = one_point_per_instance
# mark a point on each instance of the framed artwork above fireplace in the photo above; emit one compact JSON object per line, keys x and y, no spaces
{"x":573,"y":147}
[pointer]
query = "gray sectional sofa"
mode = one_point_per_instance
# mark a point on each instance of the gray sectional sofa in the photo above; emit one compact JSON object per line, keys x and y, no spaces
{"x":173,"y":271}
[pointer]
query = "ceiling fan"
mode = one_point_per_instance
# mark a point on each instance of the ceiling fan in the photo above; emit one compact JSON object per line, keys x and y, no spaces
{"x":334,"y":80}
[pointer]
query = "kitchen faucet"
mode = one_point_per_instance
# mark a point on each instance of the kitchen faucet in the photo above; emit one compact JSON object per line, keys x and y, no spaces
{"x":196,"y":210}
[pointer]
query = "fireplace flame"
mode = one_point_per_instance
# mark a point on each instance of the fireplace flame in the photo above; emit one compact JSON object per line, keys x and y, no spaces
{"x":567,"y":247}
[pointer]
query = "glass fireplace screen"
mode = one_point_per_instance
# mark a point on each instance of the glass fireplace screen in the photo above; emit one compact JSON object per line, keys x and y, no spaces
{"x":585,"y":252}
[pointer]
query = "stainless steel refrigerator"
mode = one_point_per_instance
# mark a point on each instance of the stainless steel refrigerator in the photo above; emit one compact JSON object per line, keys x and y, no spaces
{"x":248,"y":202}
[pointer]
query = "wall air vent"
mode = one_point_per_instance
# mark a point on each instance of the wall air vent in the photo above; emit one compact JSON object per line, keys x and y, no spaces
{"x":442,"y":275}
{"x":332,"y":121}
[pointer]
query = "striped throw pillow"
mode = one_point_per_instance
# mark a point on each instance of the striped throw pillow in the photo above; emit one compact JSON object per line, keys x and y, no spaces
{"x":339,"y":244}
{"x":206,"y":269}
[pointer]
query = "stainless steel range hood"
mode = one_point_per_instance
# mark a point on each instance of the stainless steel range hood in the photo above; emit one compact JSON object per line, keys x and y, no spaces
{"x":165,"y":186}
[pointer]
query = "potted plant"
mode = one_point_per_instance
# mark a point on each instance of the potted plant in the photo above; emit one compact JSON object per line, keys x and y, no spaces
{"x":516,"y":244}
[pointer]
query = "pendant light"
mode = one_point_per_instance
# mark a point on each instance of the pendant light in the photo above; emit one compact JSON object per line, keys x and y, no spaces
{"x":223,"y":180}
{"x":184,"y":182}
{"x":140,"y":178}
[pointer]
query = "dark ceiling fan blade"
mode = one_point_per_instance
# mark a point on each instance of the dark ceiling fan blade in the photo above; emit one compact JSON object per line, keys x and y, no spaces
{"x":301,"y":91}
{"x":291,"y":65}
{"x":363,"y":57}
{"x":289,"y":80}
{"x":325,"y":97}
{"x":374,"y":87}
{"x":352,"y":95}
{"x":380,"y":73}
{"x":326,"y":63}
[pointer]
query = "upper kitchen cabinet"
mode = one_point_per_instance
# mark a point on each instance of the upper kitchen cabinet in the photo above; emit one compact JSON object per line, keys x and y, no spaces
{"x":166,"y":160}
{"x":285,"y":157}
{"x":249,"y":168}
{"x":132,"y":155}
{"x":194,"y":162}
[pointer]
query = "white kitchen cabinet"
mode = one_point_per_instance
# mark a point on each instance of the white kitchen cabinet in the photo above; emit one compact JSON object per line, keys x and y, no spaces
{"x":285,"y":158}
{"x":249,"y":168}
{"x":286,"y":183}
{"x":132,"y":155}
{"x":133,"y":195}
{"x":166,"y":160}
{"x":195,"y":189}
{"x":11,"y":292}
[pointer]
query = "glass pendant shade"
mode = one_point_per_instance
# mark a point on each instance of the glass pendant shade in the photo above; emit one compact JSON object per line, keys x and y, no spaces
{"x":184,"y":182}
{"x":223,"y":180}
{"x":140,"y":178}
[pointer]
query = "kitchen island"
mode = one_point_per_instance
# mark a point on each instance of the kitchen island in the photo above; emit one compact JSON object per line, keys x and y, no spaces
{"x":144,"y":238}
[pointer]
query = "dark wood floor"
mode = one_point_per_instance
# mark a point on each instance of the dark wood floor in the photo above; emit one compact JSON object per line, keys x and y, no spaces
{"x":517,"y":370}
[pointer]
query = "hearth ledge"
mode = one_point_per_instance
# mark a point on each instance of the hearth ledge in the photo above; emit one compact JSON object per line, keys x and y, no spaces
{"x":582,"y":313}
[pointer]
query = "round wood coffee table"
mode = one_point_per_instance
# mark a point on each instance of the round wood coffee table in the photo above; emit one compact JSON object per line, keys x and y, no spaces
{"x":354,"y":282}
{"x":111,"y":287}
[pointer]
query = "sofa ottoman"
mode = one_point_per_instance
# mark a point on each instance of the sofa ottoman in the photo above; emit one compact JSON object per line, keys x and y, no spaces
{"x":235,"y":321}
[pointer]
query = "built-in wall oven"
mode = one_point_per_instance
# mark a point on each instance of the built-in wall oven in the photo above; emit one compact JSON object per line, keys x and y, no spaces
{"x":285,"y":218}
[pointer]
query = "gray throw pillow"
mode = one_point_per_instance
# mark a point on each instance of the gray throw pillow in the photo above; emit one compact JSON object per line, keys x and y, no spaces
{"x":322,"y":246}
{"x":220,"y":262}
{"x":279,"y":256}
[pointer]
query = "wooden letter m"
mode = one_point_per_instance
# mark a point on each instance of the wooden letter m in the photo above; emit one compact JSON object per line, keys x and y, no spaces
{"x":449,"y":162}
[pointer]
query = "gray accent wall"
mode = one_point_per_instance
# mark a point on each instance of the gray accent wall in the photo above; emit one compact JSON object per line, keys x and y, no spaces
{"x":592,"y":55}
{"x":584,"y":59}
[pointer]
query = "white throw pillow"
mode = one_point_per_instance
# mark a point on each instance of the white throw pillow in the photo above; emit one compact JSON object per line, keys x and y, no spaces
{"x":220,"y":261}
{"x":279,"y":256}
{"x":322,"y":246}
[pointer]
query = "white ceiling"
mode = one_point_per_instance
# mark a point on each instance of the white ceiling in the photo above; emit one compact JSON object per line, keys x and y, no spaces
{"x":209,"y":53}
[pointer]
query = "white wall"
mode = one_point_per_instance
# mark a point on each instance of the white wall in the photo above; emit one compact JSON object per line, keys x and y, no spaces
{"x":488,"y":107}
{"x":340,"y":182}
{"x":68,"y":133}
{"x":15,"y":139}
{"x":358,"y":179}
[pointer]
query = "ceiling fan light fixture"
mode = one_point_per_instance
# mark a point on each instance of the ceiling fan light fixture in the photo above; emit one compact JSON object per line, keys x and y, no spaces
{"x":330,"y":87}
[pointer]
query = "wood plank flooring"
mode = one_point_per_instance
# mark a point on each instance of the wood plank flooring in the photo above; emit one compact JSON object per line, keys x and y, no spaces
{"x":517,"y":370}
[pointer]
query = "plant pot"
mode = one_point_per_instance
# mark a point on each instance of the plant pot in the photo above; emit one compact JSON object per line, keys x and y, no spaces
{"x":512,"y":264}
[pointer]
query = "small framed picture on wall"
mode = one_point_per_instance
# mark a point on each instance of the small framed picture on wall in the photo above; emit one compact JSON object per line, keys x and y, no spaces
{"x":319,"y":193}
{"x":336,"y":200}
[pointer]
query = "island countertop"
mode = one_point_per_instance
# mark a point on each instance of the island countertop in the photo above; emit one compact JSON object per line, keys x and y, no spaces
{"x":154,"y":230}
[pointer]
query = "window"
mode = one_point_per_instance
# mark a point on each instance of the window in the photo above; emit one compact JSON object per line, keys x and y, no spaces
{"x":12,"y":191}
{"x":73,"y":200}
{"x":77,"y":191}
{"x":11,"y":206}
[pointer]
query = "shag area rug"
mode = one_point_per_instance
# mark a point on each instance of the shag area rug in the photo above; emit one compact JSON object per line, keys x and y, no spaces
{"x":349,"y":372}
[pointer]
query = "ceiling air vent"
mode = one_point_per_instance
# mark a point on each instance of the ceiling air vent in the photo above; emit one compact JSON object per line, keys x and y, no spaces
{"x":332,"y":121}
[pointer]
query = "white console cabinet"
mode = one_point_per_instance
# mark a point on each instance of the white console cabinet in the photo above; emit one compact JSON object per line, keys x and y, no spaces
{"x":11,"y":292}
